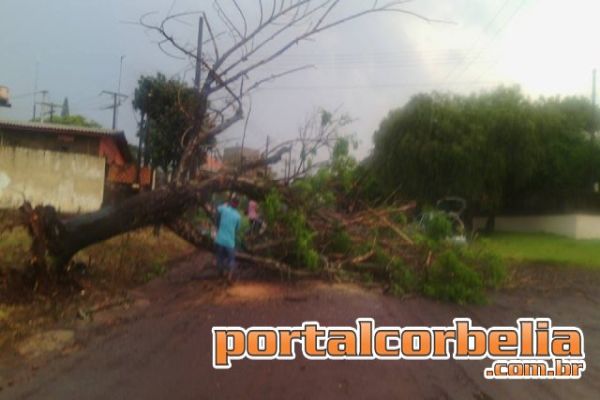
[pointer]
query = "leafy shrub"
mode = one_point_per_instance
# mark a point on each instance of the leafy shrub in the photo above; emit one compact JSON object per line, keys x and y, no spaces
{"x":451,"y":279}
{"x":461,"y":274}
{"x":436,"y":225}
{"x":272,"y":206}
{"x":489,"y":265}
{"x":403,"y":279}
{"x":340,"y":241}
{"x":315,"y":191}
{"x":304,"y":251}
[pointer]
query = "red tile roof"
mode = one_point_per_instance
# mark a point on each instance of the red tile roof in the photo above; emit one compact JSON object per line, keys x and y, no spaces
{"x":117,"y":136}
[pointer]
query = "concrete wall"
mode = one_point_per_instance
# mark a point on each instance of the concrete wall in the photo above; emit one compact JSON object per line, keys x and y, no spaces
{"x":578,"y":226}
{"x":588,"y":226}
{"x":69,"y":182}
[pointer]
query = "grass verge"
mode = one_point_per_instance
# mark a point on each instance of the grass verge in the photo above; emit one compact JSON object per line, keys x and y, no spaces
{"x":545,"y":249}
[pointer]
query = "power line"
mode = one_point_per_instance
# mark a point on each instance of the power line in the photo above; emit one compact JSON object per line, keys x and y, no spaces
{"x":373,"y":86}
{"x":495,"y":62}
{"x":23,"y":95}
{"x":406,"y":64}
{"x":476,"y":42}
{"x":303,"y":56}
{"x":494,"y":37}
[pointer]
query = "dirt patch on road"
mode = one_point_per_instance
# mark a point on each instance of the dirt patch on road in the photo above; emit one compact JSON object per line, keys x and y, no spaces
{"x":251,"y":291}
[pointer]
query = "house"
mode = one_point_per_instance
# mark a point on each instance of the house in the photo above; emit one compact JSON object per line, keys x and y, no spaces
{"x":234,"y":156}
{"x":72,"y":168}
{"x":109,"y":144}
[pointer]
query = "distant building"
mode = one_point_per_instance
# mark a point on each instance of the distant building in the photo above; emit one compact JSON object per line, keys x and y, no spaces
{"x":234,"y":156}
{"x":212,"y":163}
{"x":70,"y":167}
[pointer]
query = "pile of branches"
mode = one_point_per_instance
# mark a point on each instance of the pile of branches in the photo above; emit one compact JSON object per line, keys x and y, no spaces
{"x":368,"y":243}
{"x":376,"y":245}
{"x":352,"y":240}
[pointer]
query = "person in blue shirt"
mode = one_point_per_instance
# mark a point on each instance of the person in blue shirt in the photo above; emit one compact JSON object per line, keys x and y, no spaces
{"x":228,"y":225}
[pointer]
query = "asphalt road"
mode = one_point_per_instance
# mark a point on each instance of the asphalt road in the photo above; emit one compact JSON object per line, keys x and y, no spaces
{"x":160,"y":348}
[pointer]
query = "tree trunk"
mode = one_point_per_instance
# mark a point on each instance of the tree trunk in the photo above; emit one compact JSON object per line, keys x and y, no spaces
{"x":55,"y":241}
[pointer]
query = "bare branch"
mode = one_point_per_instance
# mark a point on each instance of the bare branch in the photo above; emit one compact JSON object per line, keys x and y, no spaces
{"x":390,"y":7}
{"x":226,"y":20}
{"x":276,"y":76}
{"x":213,"y":39}
{"x":237,"y":6}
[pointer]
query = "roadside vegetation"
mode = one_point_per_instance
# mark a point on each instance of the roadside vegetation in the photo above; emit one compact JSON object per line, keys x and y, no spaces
{"x":499,"y":150}
{"x":544,"y":249}
{"x":332,"y":228}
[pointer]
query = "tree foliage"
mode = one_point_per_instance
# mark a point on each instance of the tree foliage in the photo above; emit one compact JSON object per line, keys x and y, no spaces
{"x":499,"y":149}
{"x":64,"y":111}
{"x":74,"y":120}
{"x":168,"y":109}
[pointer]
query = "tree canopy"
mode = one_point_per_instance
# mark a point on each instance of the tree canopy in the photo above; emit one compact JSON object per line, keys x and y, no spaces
{"x":499,"y":149}
{"x":64,"y":111}
{"x":75,"y":120}
{"x":168,"y":108}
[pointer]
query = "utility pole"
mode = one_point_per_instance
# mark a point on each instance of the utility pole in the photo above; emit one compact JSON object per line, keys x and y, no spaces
{"x":44,"y":94}
{"x":37,"y":103}
{"x":117,"y":97}
{"x":42,"y":104}
{"x":120,"y":74}
{"x":199,"y":55}
{"x":594,"y":111}
{"x":52,"y":107}
{"x":594,"y":89}
{"x":139,"y":150}
{"x":35,"y":88}
{"x":198,"y":118}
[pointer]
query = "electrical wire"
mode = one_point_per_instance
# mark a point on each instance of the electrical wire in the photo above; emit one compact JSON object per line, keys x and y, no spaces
{"x":494,"y":37}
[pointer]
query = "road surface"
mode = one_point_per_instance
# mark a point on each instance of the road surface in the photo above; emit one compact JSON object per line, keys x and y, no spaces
{"x":160,"y":347}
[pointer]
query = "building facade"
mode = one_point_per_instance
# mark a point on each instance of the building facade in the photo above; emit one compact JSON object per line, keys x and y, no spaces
{"x":74,"y":169}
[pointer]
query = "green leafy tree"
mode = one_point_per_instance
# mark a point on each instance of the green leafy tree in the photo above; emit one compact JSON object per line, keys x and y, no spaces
{"x":167,"y":106}
{"x":74,"y":120}
{"x":499,"y":150}
{"x":64,"y":111}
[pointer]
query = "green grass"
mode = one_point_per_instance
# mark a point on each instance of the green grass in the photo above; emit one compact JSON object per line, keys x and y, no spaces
{"x":545,"y":248}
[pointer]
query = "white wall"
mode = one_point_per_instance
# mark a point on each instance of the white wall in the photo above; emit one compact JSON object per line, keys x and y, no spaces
{"x":69,"y":182}
{"x":578,"y":226}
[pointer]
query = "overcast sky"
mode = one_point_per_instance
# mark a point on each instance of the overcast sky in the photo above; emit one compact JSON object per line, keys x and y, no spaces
{"x":367,"y":67}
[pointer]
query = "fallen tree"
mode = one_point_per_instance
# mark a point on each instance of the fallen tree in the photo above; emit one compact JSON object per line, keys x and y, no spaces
{"x":230,"y":65}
